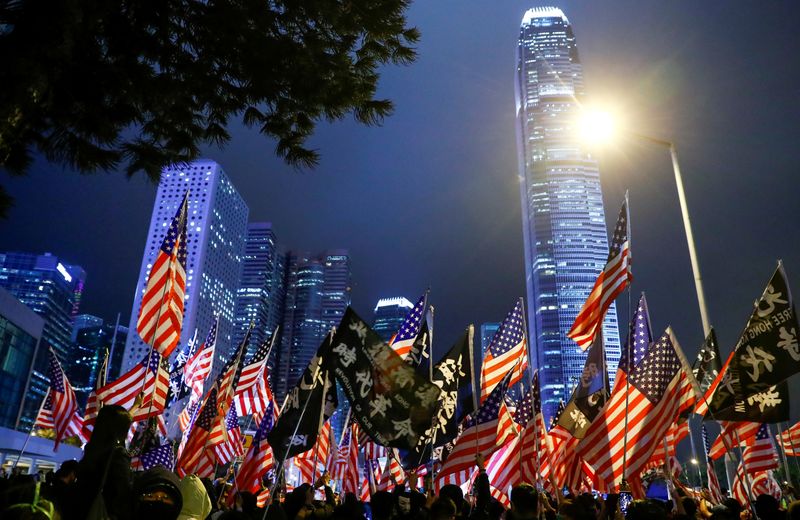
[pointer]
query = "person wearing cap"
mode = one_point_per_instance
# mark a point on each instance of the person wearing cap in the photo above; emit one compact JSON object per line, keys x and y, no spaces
{"x":196,"y":502}
{"x":157,"y":495}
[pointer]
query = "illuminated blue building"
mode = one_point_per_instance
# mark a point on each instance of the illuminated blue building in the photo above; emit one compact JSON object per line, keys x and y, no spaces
{"x":563,"y":219}
{"x":216,"y":226}
{"x":389,"y":314}
{"x":52,"y":289}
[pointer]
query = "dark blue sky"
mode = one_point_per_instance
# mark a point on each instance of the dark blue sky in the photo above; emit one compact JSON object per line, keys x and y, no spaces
{"x":431,"y":197}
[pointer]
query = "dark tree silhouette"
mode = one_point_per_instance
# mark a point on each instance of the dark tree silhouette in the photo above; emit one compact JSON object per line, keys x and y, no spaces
{"x":138,"y":84}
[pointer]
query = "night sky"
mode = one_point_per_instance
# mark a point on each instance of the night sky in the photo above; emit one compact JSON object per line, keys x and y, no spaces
{"x":431,"y":198}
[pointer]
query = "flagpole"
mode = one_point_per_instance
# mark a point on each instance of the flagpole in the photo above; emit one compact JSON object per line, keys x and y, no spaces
{"x":628,"y":353}
{"x":783,"y":452}
{"x":286,"y":453}
{"x":30,"y":432}
{"x":791,"y":443}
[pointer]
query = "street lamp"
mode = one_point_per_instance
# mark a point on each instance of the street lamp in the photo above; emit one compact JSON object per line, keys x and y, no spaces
{"x":598,"y":127}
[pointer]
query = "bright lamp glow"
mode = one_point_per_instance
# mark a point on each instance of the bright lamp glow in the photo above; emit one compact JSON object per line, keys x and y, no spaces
{"x":694,"y":461}
{"x":596,"y":126}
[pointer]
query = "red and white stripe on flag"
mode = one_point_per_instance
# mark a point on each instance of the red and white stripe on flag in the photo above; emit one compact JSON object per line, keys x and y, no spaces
{"x":60,"y":399}
{"x":676,"y":433}
{"x":745,"y":431}
{"x":345,"y":469}
{"x":609,"y":284}
{"x":313,"y":462}
{"x":507,"y":352}
{"x":759,"y":454}
{"x":763,"y":483}
{"x":402,"y":341}
{"x":161,"y":313}
{"x":665,"y":393}
{"x":713,"y":483}
{"x":503,"y":468}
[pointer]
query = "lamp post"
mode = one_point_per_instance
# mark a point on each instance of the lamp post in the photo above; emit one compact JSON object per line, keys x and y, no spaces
{"x":599,"y":126}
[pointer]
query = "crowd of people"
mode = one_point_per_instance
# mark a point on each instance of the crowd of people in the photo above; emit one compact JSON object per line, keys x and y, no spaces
{"x":103,"y":486}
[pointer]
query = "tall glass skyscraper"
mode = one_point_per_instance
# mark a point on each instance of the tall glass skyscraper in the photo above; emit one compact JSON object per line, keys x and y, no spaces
{"x":262,"y":287}
{"x":52,"y":289}
{"x":217,"y":225}
{"x":389,"y":314}
{"x":563,"y":219}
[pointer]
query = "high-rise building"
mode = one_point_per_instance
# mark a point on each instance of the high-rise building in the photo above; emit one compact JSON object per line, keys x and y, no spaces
{"x":262,"y":287}
{"x":20,"y":332}
{"x":84,"y":321}
{"x":317,"y":294}
{"x":52,"y":289}
{"x":389,"y":314}
{"x":88,"y":352}
{"x":216,"y":229}
{"x":563,"y":218}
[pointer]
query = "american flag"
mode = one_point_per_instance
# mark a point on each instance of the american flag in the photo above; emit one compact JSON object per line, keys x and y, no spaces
{"x":659,"y":390}
{"x":345,"y":469}
{"x":178,"y":389}
{"x":309,"y":462}
{"x":45,"y":420}
{"x":713,"y":481}
{"x":161,"y":313}
{"x":231,"y":445}
{"x":259,"y":458}
{"x":128,"y":386}
{"x":640,"y":336}
{"x":253,"y":391}
{"x":702,"y":406}
{"x":609,"y":284}
{"x":503,"y":467}
{"x":404,"y":338}
{"x":197,"y":368}
{"x":763,"y":483}
{"x":155,"y":396}
{"x":62,"y":398}
{"x":210,"y":428}
{"x":92,"y":403}
{"x":160,"y":456}
{"x":507,"y":353}
{"x":789,"y":440}
{"x":485,"y":432}
{"x":675,"y":434}
{"x":392,"y":474}
{"x":759,"y":454}
{"x":731,"y":432}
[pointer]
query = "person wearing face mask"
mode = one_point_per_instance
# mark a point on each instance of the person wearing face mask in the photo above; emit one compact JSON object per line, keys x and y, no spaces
{"x":157,"y":495}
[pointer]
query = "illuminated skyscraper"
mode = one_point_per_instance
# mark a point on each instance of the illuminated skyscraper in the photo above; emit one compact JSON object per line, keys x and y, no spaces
{"x":52,"y":289}
{"x":389,"y":315}
{"x":563,"y":219}
{"x":216,"y":227}
{"x":262,"y":287}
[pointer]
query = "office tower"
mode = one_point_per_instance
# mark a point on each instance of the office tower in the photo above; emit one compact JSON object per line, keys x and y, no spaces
{"x":216,"y":229}
{"x":317,"y":294}
{"x":52,"y":289}
{"x":563,"y":219}
{"x":488,"y":331}
{"x":84,"y":321}
{"x":88,"y":352}
{"x":389,"y":314}
{"x":20,"y":332}
{"x":261,"y":288}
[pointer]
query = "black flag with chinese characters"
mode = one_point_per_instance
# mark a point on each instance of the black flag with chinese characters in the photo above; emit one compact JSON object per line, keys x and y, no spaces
{"x":754,"y":384}
{"x":454,"y":375}
{"x":392,"y":403}
{"x":590,"y":394}
{"x":708,"y":363}
{"x":308,"y":405}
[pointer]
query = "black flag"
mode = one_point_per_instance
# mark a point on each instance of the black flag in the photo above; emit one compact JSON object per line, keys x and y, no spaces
{"x":310,"y":403}
{"x":767,"y":354}
{"x":454,"y":375}
{"x":708,"y":364}
{"x":590,"y":393}
{"x":392,"y":403}
{"x":419,"y":356}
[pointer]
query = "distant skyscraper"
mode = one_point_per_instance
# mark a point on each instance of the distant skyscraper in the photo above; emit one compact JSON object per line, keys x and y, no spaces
{"x":389,"y":314}
{"x":563,"y":219}
{"x":262,"y":287}
{"x":20,"y":332}
{"x":52,"y":290}
{"x":216,"y":227}
{"x":88,"y":352}
{"x":488,"y":331}
{"x":84,"y":321}
{"x":317,"y":294}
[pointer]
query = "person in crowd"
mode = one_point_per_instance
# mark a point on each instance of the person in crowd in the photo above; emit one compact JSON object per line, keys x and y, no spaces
{"x":57,"y":490}
{"x":104,"y":469}
{"x":524,"y":503}
{"x":649,"y":509}
{"x":24,"y":501}
{"x":443,"y":508}
{"x":157,"y":495}
{"x":768,"y":508}
{"x":196,"y":502}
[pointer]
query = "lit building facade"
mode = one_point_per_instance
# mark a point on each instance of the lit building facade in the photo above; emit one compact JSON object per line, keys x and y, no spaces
{"x":262,"y":288}
{"x":216,"y":227}
{"x":20,"y":332}
{"x":52,"y":289}
{"x":389,"y":314}
{"x":564,"y":225}
{"x":88,"y":352}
